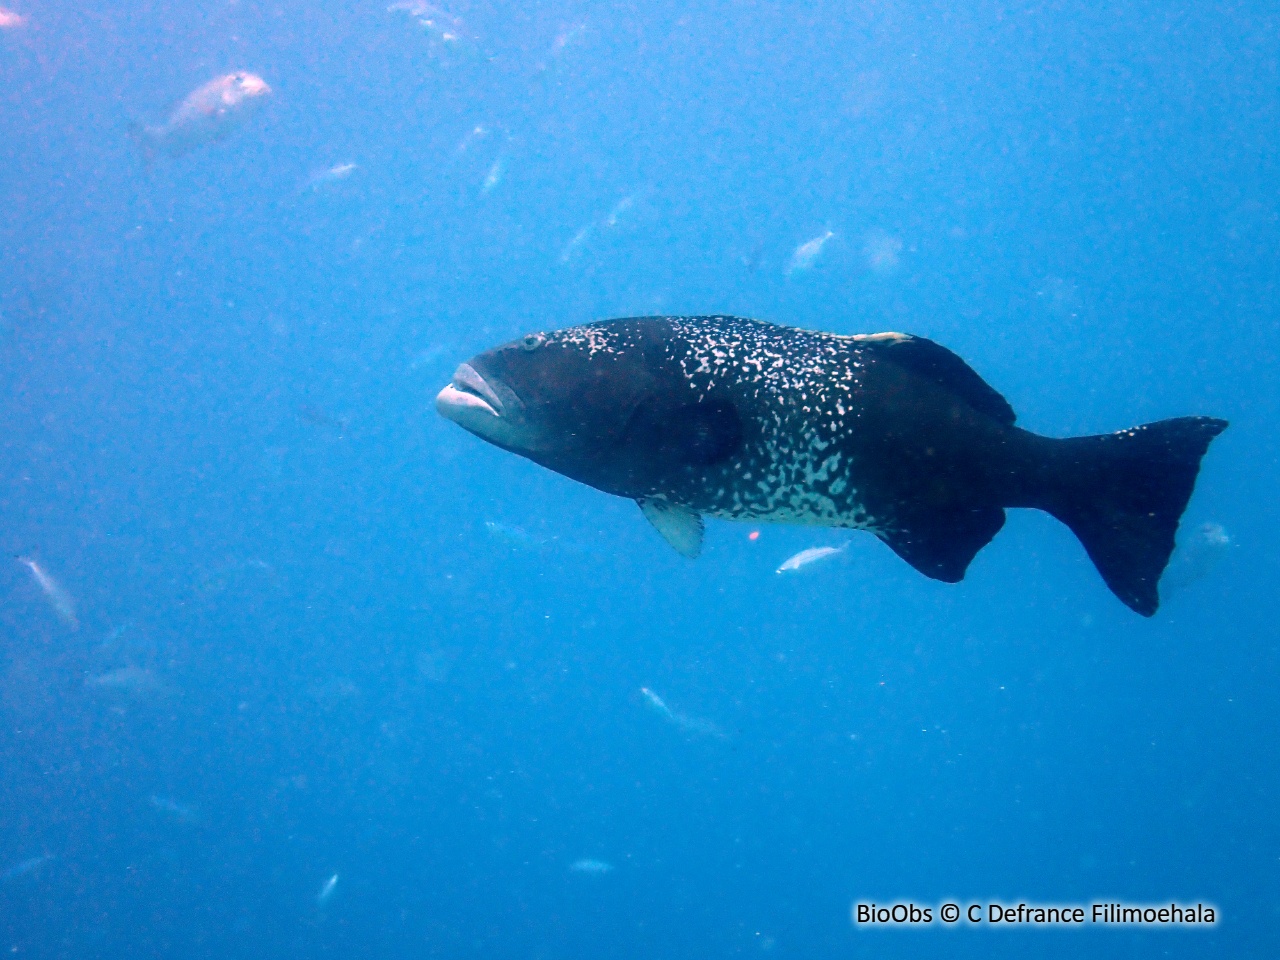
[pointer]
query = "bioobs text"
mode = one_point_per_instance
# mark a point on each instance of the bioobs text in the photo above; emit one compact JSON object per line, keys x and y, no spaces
{"x":895,"y":913}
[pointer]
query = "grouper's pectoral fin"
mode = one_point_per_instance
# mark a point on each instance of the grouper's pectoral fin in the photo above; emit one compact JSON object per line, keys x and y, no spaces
{"x":941,"y":543}
{"x":679,"y":526}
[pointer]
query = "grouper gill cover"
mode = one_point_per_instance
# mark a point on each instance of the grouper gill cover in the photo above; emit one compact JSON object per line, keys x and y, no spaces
{"x":887,"y":432}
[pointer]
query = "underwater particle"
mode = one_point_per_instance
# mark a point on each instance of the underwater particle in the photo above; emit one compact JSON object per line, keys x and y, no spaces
{"x":590,"y":867}
{"x":9,"y":20}
{"x":753,"y":535}
{"x":326,"y":890}
{"x":806,"y":558}
{"x":205,"y":116}
{"x":883,"y":253}
{"x":889,"y":433}
{"x":59,"y":599}
{"x":1196,"y":556}
{"x":805,"y":255}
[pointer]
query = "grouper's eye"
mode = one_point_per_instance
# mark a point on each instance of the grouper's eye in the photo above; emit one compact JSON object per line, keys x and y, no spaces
{"x":533,"y":341}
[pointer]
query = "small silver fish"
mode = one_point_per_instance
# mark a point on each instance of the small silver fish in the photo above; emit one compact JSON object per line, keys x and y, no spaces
{"x":591,"y":867}
{"x":63,"y":605}
{"x":26,"y":867}
{"x":324,"y":178}
{"x":807,"y":253}
{"x":657,"y":704}
{"x":326,"y":890}
{"x":495,"y":175}
{"x":804,"y":558}
{"x":172,"y":808}
{"x":132,"y":680}
{"x":206,"y":115}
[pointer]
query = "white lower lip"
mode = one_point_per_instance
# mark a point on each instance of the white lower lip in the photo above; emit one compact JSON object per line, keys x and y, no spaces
{"x":452,"y":403}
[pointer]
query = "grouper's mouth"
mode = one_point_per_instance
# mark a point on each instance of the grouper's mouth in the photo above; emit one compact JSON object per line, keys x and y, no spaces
{"x":466,"y":396}
{"x":488,"y":408}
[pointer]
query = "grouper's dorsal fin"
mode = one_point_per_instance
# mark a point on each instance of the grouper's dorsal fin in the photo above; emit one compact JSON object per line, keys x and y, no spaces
{"x":934,"y":362}
{"x":679,"y":526}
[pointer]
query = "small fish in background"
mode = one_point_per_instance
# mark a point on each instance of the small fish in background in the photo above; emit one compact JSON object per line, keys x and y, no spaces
{"x":807,"y":253}
{"x":656,"y":702}
{"x":59,"y":599}
{"x":566,"y":38}
{"x":206,"y":115}
{"x":575,"y":246}
{"x":131,"y":680}
{"x":683,"y":721}
{"x":473,"y":136}
{"x":317,"y":417}
{"x":323,"y":179}
{"x":326,"y":890}
{"x":590,"y":867}
{"x":113,"y":636}
{"x":513,"y":537}
{"x":619,"y":211}
{"x":25,"y":868}
{"x":494,"y":177}
{"x":446,"y":34}
{"x":9,"y":20}
{"x":806,"y":558}
{"x":883,"y":252}
{"x":172,"y":809}
{"x":1196,"y":556}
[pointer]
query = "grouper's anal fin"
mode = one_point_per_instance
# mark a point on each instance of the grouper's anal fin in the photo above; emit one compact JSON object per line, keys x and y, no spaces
{"x":940,"y":544}
{"x":935,"y":362}
{"x":679,"y":526}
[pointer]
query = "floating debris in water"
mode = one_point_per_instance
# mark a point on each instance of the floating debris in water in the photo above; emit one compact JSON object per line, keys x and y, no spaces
{"x":54,"y":592}
{"x":806,"y":558}
{"x":326,"y":890}
{"x":589,"y":867}
{"x":807,"y":253}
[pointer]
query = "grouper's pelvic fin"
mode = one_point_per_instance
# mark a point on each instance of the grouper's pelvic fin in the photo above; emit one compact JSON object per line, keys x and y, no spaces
{"x":679,"y":526}
{"x":1122,"y":495}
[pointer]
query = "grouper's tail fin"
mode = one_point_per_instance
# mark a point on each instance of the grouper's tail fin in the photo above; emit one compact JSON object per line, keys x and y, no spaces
{"x":1123,"y":494}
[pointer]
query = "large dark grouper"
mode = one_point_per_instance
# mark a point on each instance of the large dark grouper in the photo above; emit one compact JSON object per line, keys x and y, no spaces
{"x":886,"y":432}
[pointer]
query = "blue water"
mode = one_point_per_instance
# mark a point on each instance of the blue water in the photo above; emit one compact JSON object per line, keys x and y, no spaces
{"x":324,"y":631}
